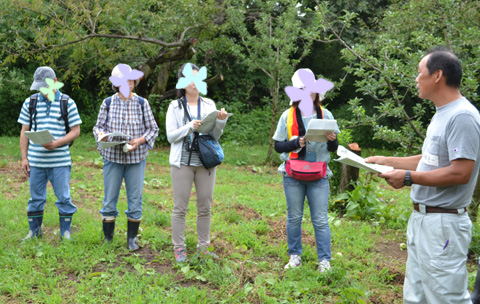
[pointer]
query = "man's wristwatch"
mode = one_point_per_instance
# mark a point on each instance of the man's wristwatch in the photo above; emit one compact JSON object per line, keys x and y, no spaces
{"x":407,"y":181}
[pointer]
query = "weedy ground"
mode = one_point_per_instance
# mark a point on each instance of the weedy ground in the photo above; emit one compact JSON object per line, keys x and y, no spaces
{"x":247,"y":233}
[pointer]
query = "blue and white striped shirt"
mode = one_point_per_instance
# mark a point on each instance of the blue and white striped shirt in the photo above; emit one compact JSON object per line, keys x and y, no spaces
{"x":48,"y":114}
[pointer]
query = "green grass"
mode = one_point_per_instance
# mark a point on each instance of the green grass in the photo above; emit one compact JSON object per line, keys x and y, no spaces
{"x":248,"y":233}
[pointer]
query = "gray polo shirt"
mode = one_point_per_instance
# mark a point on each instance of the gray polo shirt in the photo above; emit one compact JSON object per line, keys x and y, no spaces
{"x":453,"y":133}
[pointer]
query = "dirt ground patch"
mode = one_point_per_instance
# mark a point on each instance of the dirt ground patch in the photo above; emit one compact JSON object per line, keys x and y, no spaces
{"x":392,"y":250}
{"x":13,"y":174}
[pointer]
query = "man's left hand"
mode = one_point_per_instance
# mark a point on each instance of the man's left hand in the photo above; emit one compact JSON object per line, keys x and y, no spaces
{"x":51,"y":145}
{"x":394,"y":178}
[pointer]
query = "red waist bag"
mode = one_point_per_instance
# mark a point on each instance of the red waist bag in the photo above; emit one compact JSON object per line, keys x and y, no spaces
{"x":304,"y":170}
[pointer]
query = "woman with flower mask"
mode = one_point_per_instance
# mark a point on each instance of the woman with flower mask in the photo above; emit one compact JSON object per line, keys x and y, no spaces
{"x":127,"y":113}
{"x":184,"y":117}
{"x":306,"y":95}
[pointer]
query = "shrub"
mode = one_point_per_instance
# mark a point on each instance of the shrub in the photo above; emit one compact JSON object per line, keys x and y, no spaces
{"x":14,"y":89}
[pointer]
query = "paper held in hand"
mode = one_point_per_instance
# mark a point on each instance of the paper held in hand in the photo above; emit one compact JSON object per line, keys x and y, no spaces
{"x":317,"y":128}
{"x":349,"y":158}
{"x":108,"y":144}
{"x":209,"y":122}
{"x":40,"y":137}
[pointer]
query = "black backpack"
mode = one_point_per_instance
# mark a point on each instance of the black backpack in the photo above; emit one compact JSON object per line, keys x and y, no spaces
{"x":63,"y":112}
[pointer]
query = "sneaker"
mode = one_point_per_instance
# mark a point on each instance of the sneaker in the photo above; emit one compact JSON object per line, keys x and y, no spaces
{"x":324,"y":265}
{"x":204,"y":252}
{"x":295,"y":261}
{"x":181,"y":255}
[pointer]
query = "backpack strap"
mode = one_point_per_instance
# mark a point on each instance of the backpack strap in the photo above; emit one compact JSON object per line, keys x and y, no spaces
{"x":108,"y":101}
{"x":64,"y":114}
{"x":141,"y":101}
{"x":64,"y":111}
{"x":32,"y":109}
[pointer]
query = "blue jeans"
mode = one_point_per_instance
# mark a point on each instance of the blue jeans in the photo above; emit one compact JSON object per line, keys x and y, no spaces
{"x":113,"y":175}
{"x":59,"y":177}
{"x":317,"y":195}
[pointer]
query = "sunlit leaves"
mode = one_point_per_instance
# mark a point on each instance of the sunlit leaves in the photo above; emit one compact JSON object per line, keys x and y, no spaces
{"x":385,"y":64}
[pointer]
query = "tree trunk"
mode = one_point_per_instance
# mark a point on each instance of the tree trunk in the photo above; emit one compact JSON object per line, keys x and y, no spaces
{"x":162,"y":78}
{"x":166,"y":58}
{"x":273,"y":120}
{"x":348,"y":173}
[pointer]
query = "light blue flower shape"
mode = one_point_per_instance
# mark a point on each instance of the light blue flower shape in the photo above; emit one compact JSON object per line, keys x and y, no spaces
{"x":197,"y":79}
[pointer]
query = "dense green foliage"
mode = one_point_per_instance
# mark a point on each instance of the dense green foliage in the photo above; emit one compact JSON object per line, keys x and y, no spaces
{"x":270,"y":44}
{"x":369,"y":48}
{"x":384,"y":61}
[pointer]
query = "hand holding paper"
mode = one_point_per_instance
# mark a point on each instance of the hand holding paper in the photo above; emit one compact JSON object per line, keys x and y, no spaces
{"x":349,"y":158}
{"x":209,"y":122}
{"x":394,"y":178}
{"x":108,"y":144}
{"x":317,"y":128}
{"x":40,"y":138}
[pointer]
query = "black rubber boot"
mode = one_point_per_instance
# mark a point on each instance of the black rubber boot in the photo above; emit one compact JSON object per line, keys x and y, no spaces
{"x":108,"y":230}
{"x":132,"y":235}
{"x":35,"y":220}
{"x":65,"y":226}
{"x":475,"y":296}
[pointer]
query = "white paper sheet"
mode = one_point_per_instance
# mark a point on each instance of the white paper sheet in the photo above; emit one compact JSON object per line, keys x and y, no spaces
{"x":209,"y":122}
{"x":317,"y":128}
{"x":40,"y":137}
{"x":349,"y":158}
{"x":108,"y":144}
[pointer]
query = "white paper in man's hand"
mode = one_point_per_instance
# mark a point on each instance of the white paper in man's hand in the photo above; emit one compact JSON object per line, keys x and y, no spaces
{"x":349,"y":158}
{"x":39,"y":137}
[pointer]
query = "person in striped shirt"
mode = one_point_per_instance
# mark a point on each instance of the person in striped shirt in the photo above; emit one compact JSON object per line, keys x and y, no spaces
{"x":51,"y":161}
{"x":133,"y":116}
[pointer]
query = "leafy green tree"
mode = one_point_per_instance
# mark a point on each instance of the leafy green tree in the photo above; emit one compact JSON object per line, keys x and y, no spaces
{"x":84,"y":39}
{"x":267,"y":38}
{"x":385,"y":63}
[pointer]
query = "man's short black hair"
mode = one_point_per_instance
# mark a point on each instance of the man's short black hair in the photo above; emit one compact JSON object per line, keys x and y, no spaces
{"x":443,"y":58}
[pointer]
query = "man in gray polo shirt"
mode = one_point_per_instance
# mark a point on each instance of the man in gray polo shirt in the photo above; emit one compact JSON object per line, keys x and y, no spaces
{"x":443,"y":179}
